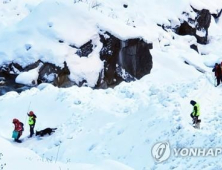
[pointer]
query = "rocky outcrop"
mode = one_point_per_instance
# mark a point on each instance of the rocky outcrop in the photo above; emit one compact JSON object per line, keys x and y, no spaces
{"x":217,"y":15}
{"x":48,"y":73}
{"x":123,"y":61}
{"x":135,"y":57}
{"x":61,"y":78}
{"x":197,"y":27}
{"x":194,"y":47}
{"x":8,"y":74}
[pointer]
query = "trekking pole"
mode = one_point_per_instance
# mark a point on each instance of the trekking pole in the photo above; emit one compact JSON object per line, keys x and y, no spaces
{"x":27,"y":112}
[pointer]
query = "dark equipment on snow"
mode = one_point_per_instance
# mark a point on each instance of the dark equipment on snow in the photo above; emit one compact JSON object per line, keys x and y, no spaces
{"x":45,"y":131}
{"x":197,"y":124}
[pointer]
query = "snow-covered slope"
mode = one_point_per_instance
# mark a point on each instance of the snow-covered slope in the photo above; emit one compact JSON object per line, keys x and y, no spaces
{"x":113,"y":128}
{"x":120,"y":124}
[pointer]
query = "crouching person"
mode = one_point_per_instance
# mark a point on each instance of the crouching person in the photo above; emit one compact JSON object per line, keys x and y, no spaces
{"x":17,"y":133}
{"x":196,"y":112}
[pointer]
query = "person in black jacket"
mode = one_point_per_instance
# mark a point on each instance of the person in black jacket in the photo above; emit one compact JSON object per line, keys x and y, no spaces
{"x":196,"y":111}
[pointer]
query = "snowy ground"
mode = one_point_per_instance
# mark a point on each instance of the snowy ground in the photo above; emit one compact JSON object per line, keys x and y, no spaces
{"x":113,"y":128}
{"x":120,"y":124}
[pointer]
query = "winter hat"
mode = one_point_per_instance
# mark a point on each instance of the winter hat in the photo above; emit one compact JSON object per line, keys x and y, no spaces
{"x":192,"y":102}
{"x":31,"y":113}
{"x":15,"y":120}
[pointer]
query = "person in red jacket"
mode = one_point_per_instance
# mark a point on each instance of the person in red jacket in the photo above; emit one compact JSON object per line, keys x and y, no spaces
{"x":18,"y":128}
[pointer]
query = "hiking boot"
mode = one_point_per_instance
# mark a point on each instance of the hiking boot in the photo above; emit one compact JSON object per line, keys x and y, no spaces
{"x":18,"y":141}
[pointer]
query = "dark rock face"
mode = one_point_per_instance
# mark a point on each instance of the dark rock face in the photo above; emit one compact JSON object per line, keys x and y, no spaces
{"x":109,"y":54}
{"x":201,"y":22}
{"x":203,"y":19}
{"x":48,"y":73}
{"x":123,"y":61}
{"x":186,"y":29}
{"x":62,"y":77}
{"x":85,"y":49}
{"x":135,"y":57}
{"x":194,"y":47}
{"x":8,"y":74}
{"x":216,"y":16}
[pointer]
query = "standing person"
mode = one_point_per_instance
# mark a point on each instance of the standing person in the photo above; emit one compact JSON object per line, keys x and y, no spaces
{"x":18,"y":130}
{"x":196,"y":111}
{"x":32,"y":120}
{"x":220,"y":71}
{"x":217,"y":72}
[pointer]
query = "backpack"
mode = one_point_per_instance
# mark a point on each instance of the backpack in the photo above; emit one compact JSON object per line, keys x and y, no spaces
{"x":15,"y":134}
{"x":22,"y":125}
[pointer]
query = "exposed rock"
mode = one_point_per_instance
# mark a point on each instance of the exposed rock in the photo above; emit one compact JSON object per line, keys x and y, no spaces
{"x":8,"y":74}
{"x":135,"y":57}
{"x":201,"y":23}
{"x":124,"y":60}
{"x":31,"y":66}
{"x":61,"y":41}
{"x":109,"y":54}
{"x":85,"y":49}
{"x":194,"y":47}
{"x":216,"y":16}
{"x":47,"y":73}
{"x":186,"y":29}
{"x":125,"y":5}
{"x":62,"y":78}
{"x":203,"y":19}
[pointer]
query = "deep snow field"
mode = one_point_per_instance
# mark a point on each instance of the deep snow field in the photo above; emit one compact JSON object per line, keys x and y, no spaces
{"x":112,"y":129}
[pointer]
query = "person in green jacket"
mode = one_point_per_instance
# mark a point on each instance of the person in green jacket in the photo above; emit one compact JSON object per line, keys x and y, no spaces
{"x":196,"y":111}
{"x":32,"y":121}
